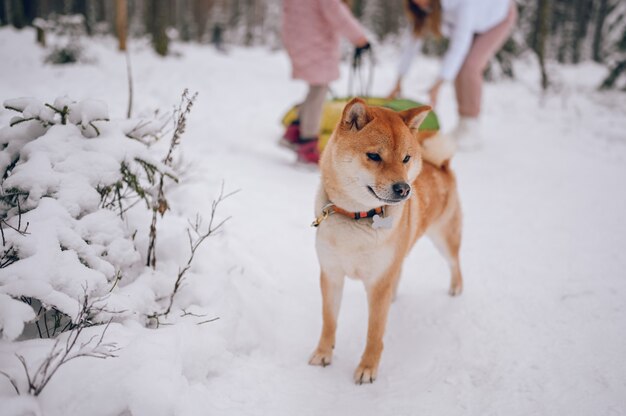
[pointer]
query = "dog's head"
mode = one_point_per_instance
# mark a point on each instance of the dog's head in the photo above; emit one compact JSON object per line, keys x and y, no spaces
{"x":373,"y":156}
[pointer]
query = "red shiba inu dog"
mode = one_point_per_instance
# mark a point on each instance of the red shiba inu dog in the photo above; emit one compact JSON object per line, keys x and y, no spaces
{"x":382,"y":187}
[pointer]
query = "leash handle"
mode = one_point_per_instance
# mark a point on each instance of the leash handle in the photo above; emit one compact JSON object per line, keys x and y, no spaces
{"x":363,"y":88}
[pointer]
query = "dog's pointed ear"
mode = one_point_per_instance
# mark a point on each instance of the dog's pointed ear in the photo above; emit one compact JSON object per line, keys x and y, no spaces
{"x":355,"y":115}
{"x":413,"y":117}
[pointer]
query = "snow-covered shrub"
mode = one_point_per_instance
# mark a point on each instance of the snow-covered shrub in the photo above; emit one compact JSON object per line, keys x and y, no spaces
{"x":66,"y":32}
{"x":61,"y":167}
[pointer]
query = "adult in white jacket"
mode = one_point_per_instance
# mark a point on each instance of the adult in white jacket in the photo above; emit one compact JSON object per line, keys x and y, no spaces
{"x":477,"y":29}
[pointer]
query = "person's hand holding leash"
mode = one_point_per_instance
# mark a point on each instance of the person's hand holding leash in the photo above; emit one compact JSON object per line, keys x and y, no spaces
{"x":359,"y":50}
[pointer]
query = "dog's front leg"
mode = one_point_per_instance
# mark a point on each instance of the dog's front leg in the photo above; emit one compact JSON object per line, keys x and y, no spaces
{"x":332,"y":290}
{"x":379,"y":295}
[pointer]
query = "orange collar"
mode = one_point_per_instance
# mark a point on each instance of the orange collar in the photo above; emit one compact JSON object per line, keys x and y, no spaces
{"x":333,"y":209}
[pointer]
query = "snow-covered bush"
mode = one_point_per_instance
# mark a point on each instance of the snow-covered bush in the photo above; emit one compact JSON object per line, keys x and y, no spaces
{"x":66,"y":32}
{"x":68,"y":176}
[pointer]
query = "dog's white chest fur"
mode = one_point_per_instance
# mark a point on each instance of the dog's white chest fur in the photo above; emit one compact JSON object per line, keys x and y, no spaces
{"x":355,"y":248}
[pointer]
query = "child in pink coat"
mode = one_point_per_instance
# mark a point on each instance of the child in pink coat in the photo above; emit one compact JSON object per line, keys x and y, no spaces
{"x":311,"y":30}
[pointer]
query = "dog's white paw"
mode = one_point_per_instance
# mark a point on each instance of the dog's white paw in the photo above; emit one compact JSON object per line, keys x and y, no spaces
{"x":365,"y":374}
{"x":322,"y":358}
{"x":455,"y":290}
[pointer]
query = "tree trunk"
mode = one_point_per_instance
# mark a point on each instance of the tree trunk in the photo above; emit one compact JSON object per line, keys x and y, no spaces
{"x":30,"y":11}
{"x":17,"y":14}
{"x":250,"y":11}
{"x":603,"y":11}
{"x":583,"y":13}
{"x":121,"y":23}
{"x":148,"y":16}
{"x":565,"y":32}
{"x":43,"y":9}
{"x":91,"y":12}
{"x":615,"y":73}
{"x":4,"y":19}
{"x":136,"y":24}
{"x":109,"y":16}
{"x":201,"y":10}
{"x":541,"y":27}
{"x":171,"y":13}
{"x":79,"y":7}
{"x":68,"y":6}
{"x":159,"y":33}
{"x":357,"y":8}
{"x":185,"y":22}
{"x":101,"y":11}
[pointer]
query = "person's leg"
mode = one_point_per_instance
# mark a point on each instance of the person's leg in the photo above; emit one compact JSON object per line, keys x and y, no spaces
{"x":310,"y":115}
{"x":311,"y":112}
{"x":468,"y":83}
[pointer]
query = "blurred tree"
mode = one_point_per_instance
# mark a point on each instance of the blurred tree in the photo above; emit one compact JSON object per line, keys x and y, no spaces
{"x":570,"y":31}
{"x":91,"y":17}
{"x":160,"y":40}
{"x":42,"y":8}
{"x":201,"y":10}
{"x":384,"y":18}
{"x":16,"y":13}
{"x":357,"y":8}
{"x":121,"y":23}
{"x":618,"y":69}
{"x":541,"y":30}
{"x":148,"y":16}
{"x":582,"y":13}
{"x":614,"y":46}
{"x":603,"y":10}
{"x":4,"y":19}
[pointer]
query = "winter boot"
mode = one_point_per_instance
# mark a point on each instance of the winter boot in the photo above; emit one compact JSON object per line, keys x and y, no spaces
{"x":291,"y":138}
{"x":467,"y":134}
{"x":308,"y":151}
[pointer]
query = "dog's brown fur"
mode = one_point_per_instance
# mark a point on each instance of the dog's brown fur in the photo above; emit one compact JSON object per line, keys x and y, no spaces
{"x":348,"y":247}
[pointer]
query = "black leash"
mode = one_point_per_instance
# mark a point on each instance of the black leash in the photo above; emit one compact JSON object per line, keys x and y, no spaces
{"x":363,"y":89}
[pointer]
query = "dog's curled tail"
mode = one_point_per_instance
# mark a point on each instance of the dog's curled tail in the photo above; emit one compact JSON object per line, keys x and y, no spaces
{"x":438,"y":148}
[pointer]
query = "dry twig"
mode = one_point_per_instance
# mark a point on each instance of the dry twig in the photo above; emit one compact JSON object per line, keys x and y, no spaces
{"x":160,"y":205}
{"x":196,"y":236}
{"x":63,"y":352}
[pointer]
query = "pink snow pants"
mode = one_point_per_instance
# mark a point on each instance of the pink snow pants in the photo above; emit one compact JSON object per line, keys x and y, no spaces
{"x":469,"y":81}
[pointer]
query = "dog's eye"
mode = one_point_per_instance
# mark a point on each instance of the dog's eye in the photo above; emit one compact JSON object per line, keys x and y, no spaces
{"x":406,"y":159}
{"x":374,"y":156}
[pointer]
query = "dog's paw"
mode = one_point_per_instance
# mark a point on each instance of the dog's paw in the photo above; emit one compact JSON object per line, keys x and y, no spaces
{"x":365,"y":374}
{"x":455,"y":290}
{"x":322,"y":358}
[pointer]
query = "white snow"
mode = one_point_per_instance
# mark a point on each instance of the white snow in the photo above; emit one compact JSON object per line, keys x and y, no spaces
{"x":13,"y":314}
{"x":540,"y":329}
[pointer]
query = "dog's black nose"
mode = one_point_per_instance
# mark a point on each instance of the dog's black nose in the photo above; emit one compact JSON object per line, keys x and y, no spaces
{"x":401,"y":189}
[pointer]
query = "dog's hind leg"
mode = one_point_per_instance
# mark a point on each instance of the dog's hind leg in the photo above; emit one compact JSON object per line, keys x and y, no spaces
{"x":332,"y":290}
{"x":446,"y":236}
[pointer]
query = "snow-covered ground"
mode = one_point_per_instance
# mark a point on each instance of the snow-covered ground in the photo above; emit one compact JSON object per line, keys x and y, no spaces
{"x":539,"y":330}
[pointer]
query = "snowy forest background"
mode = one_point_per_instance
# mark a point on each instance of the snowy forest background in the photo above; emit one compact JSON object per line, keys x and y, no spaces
{"x":567,"y":31}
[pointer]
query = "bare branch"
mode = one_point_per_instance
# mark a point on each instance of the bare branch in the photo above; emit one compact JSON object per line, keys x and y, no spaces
{"x":130,"y":85}
{"x":196,"y":315}
{"x":208,"y":321}
{"x":62,"y":353}
{"x":160,"y":205}
{"x":194,"y":244}
{"x":12,"y":381}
